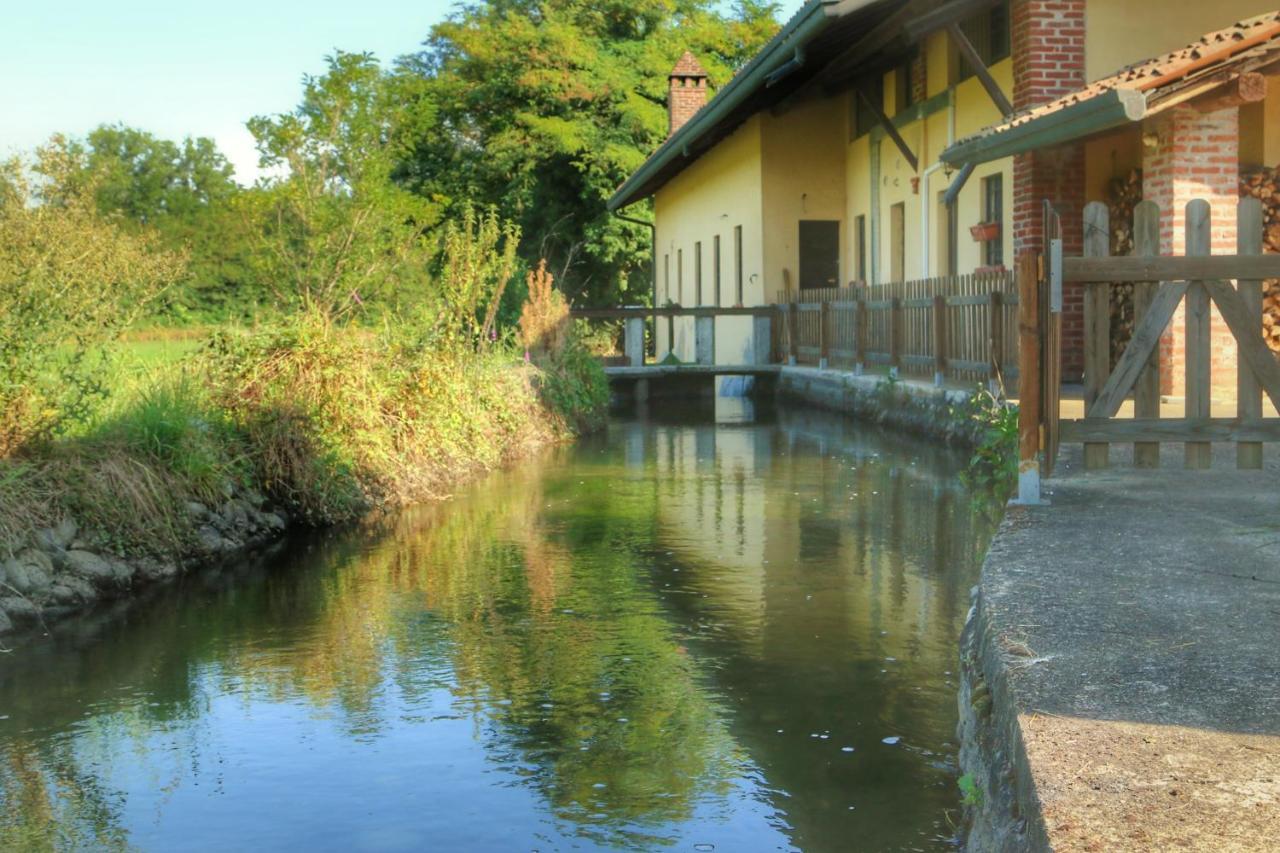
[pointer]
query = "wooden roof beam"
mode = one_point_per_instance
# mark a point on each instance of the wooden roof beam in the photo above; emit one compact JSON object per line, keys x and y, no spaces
{"x":891,"y":131}
{"x":980,"y":69}
{"x":859,"y":54}
{"x":1248,"y":88}
{"x":951,"y":13}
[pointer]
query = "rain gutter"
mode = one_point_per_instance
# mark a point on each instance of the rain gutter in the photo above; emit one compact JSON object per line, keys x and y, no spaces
{"x":1107,"y":111}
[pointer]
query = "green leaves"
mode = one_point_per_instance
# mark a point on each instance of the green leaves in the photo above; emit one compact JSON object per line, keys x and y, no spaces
{"x":543,"y":109}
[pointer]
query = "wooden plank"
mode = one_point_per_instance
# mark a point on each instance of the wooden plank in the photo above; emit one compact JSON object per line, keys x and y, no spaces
{"x":1176,"y":430}
{"x":1198,"y":350}
{"x":967,"y":50}
{"x":1097,"y":326}
{"x":995,"y":332}
{"x":627,"y":313}
{"x":1028,"y":361}
{"x":1249,"y":223}
{"x":1146,"y":393}
{"x":824,"y":338}
{"x":1091,"y":270}
{"x":939,"y":338}
{"x":891,"y":131}
{"x":1146,"y":339}
{"x":860,"y":324}
{"x":1256,"y":357}
{"x":895,"y":331}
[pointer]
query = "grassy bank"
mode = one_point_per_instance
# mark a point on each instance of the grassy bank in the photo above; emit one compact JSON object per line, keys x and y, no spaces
{"x":320,"y":423}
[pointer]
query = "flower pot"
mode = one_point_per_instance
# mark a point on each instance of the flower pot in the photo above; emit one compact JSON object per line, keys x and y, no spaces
{"x":985,"y":232}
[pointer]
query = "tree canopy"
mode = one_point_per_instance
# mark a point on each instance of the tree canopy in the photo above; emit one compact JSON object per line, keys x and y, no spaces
{"x":543,"y":108}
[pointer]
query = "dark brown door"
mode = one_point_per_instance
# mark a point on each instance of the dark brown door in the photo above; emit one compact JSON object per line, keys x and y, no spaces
{"x":819,"y":253}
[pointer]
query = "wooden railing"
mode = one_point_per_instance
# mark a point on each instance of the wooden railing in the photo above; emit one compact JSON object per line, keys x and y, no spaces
{"x":961,"y":327}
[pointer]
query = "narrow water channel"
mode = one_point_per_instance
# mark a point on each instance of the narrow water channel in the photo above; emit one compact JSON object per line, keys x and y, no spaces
{"x":730,"y":633}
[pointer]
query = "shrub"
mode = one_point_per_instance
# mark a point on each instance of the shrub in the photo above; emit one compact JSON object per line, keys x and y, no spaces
{"x":70,"y":282}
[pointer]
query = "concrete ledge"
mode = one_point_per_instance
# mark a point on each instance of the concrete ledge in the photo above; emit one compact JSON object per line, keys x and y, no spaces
{"x":1120,"y":681}
{"x":914,"y":405}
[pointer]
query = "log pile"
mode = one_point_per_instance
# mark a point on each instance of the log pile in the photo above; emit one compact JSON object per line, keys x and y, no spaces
{"x":1124,"y":193}
{"x":1264,"y":185}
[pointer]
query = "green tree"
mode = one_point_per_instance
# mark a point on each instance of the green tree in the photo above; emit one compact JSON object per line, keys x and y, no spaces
{"x":184,"y":191}
{"x":543,"y":108}
{"x":332,"y":230}
{"x":70,"y":281}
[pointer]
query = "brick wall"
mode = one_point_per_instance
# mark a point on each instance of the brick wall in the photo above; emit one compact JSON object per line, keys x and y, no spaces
{"x":1048,"y":62}
{"x":1189,"y":155}
{"x":687,"y":95}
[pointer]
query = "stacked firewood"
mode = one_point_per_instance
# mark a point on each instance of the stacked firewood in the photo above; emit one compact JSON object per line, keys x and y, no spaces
{"x":1264,"y":185}
{"x":1124,"y":193}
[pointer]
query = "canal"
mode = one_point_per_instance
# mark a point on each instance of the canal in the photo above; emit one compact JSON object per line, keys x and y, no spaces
{"x":733,"y":632}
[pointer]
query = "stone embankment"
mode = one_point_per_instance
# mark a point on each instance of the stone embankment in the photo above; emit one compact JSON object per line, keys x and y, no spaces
{"x":65,"y":569}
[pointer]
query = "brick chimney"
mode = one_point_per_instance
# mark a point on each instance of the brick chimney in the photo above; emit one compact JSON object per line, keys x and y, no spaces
{"x":688,"y":92}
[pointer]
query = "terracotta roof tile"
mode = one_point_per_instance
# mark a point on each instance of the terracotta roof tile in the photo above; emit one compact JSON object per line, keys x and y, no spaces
{"x":1212,"y":52}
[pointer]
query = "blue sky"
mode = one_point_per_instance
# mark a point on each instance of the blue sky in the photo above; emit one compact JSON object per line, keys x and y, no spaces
{"x":179,"y":69}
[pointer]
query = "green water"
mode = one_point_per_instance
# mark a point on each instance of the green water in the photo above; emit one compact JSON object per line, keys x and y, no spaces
{"x":685,"y":636}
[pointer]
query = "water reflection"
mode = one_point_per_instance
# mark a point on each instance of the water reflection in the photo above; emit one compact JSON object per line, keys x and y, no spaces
{"x":677,"y":633}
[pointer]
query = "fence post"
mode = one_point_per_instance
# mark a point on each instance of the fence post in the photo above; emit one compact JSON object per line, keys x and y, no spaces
{"x":1146,"y":392}
{"x":671,"y":335}
{"x":1198,"y":343}
{"x":1249,"y":391}
{"x":939,"y":340}
{"x":824,"y":336}
{"x":995,"y":340}
{"x":633,"y":341}
{"x":895,"y":335}
{"x":704,"y":339}
{"x":1097,"y":325}
{"x":859,"y":332}
{"x":1029,"y":379}
{"x":793,"y":332}
{"x":761,"y":341}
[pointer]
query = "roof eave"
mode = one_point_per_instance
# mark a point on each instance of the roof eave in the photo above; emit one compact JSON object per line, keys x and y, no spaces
{"x":1107,"y":111}
{"x":811,"y":19}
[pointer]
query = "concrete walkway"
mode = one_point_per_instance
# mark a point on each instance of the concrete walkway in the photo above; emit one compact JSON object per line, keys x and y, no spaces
{"x":1130,"y":637}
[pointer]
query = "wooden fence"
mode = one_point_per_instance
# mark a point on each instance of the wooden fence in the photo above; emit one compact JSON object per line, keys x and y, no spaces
{"x":962,"y":327}
{"x":1232,"y":283}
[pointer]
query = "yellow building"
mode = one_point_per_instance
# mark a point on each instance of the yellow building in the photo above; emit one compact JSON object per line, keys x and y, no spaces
{"x":876,"y":141}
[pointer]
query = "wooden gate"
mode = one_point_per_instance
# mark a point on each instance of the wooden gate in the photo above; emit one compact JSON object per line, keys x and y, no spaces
{"x":1162,"y":284}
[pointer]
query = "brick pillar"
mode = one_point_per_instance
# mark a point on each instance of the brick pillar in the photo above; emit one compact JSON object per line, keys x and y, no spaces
{"x":686,"y":93}
{"x":1189,"y":155}
{"x":1048,"y":62}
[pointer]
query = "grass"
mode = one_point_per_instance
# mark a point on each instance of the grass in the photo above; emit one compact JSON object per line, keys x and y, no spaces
{"x":325,"y":422}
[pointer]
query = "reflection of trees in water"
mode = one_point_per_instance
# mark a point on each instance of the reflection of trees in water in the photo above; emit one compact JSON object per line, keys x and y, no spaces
{"x":47,"y":802}
{"x":556,"y":647}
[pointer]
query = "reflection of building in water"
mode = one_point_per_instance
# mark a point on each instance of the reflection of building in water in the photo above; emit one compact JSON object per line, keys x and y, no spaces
{"x":771,"y":518}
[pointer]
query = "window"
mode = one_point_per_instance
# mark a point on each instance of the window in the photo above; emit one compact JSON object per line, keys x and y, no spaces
{"x":904,"y":91}
{"x":680,"y":276}
{"x":989,"y":34}
{"x":860,"y":246}
{"x":666,"y":278}
{"x":715,"y":267}
{"x":697,"y":273}
{"x":898,"y":242}
{"x":864,"y":115}
{"x":819,"y":253}
{"x":993,"y":211}
{"x":737,"y":263}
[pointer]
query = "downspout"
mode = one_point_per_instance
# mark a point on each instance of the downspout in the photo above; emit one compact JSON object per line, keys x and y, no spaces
{"x":925,"y":194}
